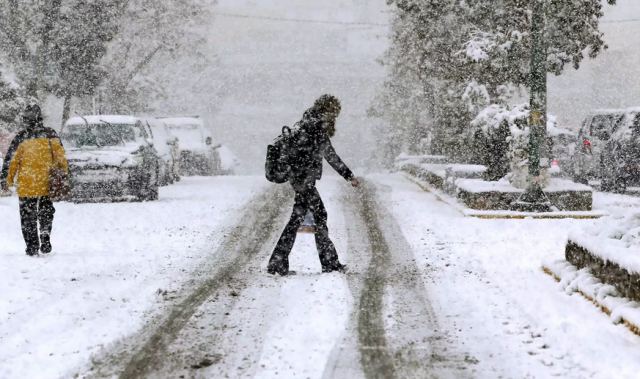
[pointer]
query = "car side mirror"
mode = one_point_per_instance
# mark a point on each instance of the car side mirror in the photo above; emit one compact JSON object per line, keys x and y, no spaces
{"x":208,"y":141}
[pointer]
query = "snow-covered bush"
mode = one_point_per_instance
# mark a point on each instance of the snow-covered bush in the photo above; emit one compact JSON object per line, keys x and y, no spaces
{"x":506,"y":131}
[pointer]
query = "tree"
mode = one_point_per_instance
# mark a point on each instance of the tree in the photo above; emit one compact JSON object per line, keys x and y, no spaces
{"x":55,"y":46}
{"x":155,"y":40}
{"x":80,"y":40}
{"x":25,"y":37}
{"x":471,"y":54}
{"x":11,"y":104}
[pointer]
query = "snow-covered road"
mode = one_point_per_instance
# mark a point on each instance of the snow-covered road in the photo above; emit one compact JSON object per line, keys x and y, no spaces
{"x":430,"y":293}
{"x":112,"y":265}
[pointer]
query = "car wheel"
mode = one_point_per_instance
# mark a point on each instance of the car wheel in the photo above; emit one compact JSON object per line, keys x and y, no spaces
{"x":170,"y":177}
{"x":148,"y":189}
{"x":153,"y":187}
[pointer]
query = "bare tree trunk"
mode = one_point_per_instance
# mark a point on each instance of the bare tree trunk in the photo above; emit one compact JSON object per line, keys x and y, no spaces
{"x":145,"y":61}
{"x":66,"y":110}
{"x":43,"y":52}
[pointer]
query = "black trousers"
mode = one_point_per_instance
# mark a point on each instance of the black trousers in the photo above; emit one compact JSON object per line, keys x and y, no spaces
{"x":34,"y":211}
{"x":307,"y":199}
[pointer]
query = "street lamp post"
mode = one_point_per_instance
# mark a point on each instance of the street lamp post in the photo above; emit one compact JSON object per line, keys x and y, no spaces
{"x":534,"y":198}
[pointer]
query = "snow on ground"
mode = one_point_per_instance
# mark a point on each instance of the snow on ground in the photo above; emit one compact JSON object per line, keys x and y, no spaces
{"x":108,"y":263}
{"x":313,"y":308}
{"x":498,"y":313}
{"x":485,"y":281}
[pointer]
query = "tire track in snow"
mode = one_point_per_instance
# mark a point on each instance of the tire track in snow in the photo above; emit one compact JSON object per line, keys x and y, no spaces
{"x":137,"y":356}
{"x":394,"y":327}
{"x":376,"y":359}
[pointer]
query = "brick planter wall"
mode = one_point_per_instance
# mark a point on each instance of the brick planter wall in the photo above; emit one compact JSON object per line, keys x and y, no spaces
{"x":484,"y":201}
{"x":627,"y":284}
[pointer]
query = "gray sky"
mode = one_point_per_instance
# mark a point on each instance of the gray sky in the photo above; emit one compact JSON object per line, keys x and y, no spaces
{"x":612,"y":80}
{"x":271,"y":70}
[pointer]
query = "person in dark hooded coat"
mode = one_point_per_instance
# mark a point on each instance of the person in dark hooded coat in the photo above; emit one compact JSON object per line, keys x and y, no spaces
{"x":311,"y":145}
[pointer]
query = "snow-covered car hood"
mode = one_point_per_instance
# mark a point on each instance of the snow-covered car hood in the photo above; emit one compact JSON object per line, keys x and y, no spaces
{"x":106,"y":155}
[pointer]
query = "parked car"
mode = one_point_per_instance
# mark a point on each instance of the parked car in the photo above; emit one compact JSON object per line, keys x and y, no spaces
{"x":562,"y":143}
{"x":168,"y":150}
{"x":111,"y":157}
{"x":228,"y":160}
{"x":620,"y":158}
{"x":198,"y":154}
{"x":594,"y":134}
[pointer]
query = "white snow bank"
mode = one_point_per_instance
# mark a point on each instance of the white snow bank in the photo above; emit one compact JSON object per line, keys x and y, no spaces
{"x":615,"y":239}
{"x":503,"y":185}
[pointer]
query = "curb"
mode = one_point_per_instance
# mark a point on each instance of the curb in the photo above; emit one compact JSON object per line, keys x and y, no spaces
{"x":634,"y":328}
{"x":501,"y":215}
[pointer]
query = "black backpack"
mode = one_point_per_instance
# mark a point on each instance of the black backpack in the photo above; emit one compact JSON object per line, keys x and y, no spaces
{"x":277,"y":167}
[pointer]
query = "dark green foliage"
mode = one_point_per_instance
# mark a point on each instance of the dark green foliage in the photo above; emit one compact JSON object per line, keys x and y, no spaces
{"x":495,"y":152}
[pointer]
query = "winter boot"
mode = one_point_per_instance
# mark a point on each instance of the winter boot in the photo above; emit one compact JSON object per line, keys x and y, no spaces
{"x":278,"y":265}
{"x":45,"y":244}
{"x":339,"y":267}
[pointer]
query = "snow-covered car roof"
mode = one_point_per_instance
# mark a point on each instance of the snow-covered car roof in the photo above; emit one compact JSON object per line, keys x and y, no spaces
{"x":182,"y":121}
{"x":97,"y":119}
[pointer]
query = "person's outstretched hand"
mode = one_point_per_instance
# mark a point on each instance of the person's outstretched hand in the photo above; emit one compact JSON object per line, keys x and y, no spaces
{"x":355,"y":182}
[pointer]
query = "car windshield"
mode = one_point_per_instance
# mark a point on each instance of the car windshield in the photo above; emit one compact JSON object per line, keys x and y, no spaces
{"x":98,"y":134}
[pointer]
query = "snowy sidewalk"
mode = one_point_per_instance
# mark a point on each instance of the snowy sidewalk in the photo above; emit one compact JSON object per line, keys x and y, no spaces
{"x":109,"y":262}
